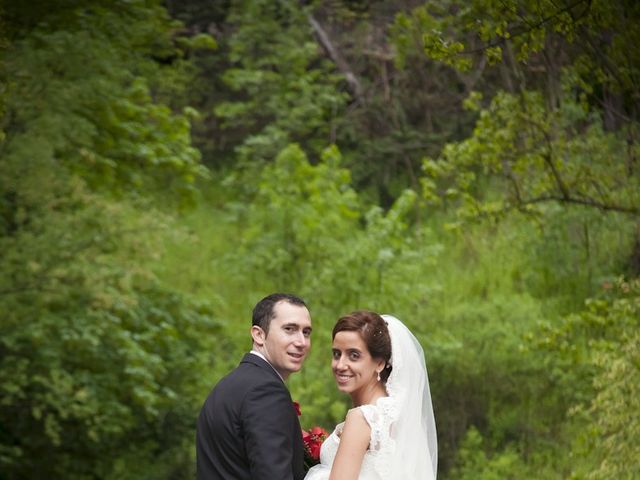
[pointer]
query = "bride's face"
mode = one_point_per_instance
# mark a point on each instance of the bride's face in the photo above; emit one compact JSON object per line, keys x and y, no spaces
{"x":355,"y":370}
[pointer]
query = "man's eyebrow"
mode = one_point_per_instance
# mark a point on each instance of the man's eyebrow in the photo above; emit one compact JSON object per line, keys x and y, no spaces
{"x":293,"y":324}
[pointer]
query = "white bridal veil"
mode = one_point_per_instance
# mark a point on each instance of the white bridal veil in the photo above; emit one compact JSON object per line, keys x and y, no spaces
{"x":414,"y":431}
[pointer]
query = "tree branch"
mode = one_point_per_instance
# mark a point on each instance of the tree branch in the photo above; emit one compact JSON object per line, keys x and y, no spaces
{"x":556,"y":175}
{"x":608,"y":65}
{"x":530,"y":27}
{"x":587,"y":202}
{"x":512,"y":177}
{"x":548,"y":158}
{"x":340,"y":62}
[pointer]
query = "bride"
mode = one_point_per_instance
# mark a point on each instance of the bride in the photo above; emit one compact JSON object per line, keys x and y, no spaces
{"x":390,"y":433}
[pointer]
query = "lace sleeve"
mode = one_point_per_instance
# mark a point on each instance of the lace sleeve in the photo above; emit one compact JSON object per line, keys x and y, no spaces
{"x":380,"y":418}
{"x":373,"y":418}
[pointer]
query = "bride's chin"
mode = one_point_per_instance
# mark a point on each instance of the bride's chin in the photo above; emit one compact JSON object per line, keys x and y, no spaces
{"x":342,"y":387}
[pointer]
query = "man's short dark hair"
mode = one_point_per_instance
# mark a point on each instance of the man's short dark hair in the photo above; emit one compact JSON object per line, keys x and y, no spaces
{"x":263,"y":312}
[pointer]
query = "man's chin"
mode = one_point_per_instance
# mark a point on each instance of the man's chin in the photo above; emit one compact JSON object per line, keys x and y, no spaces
{"x":295,"y":367}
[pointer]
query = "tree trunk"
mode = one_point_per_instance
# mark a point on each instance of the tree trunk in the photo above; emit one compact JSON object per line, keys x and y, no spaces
{"x":634,"y":260}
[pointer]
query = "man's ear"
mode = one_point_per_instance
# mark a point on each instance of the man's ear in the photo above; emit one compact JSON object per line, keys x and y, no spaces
{"x":258,"y":335}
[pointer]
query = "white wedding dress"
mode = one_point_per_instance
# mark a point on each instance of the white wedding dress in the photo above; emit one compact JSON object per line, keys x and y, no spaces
{"x":403,"y":444}
{"x":375,"y":464}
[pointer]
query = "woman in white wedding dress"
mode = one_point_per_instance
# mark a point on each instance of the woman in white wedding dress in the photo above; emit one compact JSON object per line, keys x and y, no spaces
{"x":390,"y":432}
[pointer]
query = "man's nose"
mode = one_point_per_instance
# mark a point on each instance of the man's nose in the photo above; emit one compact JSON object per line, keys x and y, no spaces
{"x":300,"y":339}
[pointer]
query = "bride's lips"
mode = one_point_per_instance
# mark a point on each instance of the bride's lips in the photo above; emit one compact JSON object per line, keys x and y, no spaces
{"x":342,"y":378}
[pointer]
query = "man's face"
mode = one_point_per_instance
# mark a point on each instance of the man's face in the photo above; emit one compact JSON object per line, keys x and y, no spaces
{"x":289,"y":338}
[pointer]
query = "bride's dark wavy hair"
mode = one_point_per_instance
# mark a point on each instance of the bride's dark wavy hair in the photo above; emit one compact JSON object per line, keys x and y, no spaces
{"x":373,"y":330}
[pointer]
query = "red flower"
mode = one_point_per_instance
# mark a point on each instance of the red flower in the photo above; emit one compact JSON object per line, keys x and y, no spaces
{"x":318,"y":432}
{"x":312,"y":442}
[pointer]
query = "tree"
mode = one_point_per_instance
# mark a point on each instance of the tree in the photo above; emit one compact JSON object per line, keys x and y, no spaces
{"x":558,"y":131}
{"x":563,"y":129}
{"x":610,"y":428}
{"x":281,"y":89}
{"x":99,"y":359}
{"x":81,"y":90}
{"x":535,"y":156}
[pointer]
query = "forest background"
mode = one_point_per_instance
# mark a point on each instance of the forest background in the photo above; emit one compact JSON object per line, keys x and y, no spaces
{"x":471,"y":167}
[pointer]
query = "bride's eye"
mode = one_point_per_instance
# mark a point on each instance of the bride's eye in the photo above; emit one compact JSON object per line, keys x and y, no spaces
{"x":335,"y":354}
{"x":354,"y":355}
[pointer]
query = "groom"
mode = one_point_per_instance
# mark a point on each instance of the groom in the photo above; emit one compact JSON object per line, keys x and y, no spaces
{"x":248,"y":427}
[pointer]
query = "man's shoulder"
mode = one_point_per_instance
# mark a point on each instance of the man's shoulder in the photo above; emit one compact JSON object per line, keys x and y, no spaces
{"x":251,"y":371}
{"x":247,"y":381}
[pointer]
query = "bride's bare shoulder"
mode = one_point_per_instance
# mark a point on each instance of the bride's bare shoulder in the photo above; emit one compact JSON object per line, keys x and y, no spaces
{"x":355,"y":420}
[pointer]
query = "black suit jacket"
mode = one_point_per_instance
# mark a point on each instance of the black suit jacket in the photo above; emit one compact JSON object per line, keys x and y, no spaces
{"x":248,"y":429}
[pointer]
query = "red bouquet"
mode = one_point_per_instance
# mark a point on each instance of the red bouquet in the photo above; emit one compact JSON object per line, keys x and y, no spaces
{"x":312,"y":442}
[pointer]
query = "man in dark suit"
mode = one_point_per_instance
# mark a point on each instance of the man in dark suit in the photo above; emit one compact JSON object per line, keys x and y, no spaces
{"x":248,"y":427}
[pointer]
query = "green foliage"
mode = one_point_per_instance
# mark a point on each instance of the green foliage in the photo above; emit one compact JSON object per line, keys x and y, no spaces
{"x":97,"y":355}
{"x":605,"y":337}
{"x":476,"y":362}
{"x":305,"y":219}
{"x":592,"y":354}
{"x":109,"y":339}
{"x":617,"y":429}
{"x":100,"y":361}
{"x":572,"y":256}
{"x":474,"y":464}
{"x":457,"y":33}
{"x":81,"y":95}
{"x":283,"y":91}
{"x":421,"y":26}
{"x":525,"y":147}
{"x":545,"y":143}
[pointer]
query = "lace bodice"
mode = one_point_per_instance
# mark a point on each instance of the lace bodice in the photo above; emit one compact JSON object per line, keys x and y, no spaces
{"x":375,"y":464}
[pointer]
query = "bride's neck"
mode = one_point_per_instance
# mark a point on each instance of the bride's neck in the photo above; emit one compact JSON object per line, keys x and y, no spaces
{"x":368,"y":396}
